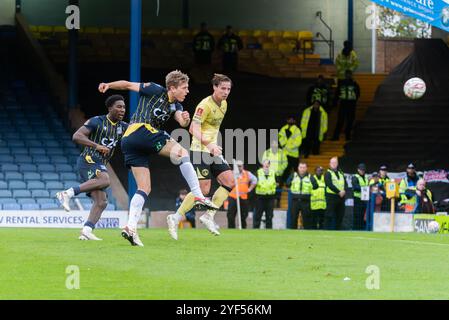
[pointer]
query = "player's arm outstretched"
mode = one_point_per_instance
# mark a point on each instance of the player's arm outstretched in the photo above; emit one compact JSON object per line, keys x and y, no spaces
{"x":119,"y":85}
{"x":81,"y":136}
{"x":195,"y":130}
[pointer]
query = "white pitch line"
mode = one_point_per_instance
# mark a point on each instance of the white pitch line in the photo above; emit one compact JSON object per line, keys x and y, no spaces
{"x":393,"y":240}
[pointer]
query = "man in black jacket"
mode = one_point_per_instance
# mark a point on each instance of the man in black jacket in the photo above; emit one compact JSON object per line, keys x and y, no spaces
{"x":203,"y":46}
{"x":348,"y":92}
{"x":230,"y":44}
{"x":319,"y":91}
{"x":336,"y":186}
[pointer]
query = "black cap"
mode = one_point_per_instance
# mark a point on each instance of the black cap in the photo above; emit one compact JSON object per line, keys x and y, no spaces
{"x":411,"y":166}
{"x":374,"y":174}
{"x":361,"y":166}
{"x":383,"y":167}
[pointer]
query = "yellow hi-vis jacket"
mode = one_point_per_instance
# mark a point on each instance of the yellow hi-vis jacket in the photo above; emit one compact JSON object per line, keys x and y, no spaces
{"x":344,"y":63}
{"x":305,"y":122}
{"x":292,"y":143}
{"x":266,"y":185}
{"x":278,"y":160}
{"x":318,"y":197}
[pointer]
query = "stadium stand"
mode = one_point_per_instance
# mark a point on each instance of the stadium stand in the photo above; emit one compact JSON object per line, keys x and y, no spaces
{"x":37,"y":156}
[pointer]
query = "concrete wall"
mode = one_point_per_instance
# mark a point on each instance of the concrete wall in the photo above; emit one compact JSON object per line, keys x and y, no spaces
{"x":7,"y":12}
{"x":247,"y":14}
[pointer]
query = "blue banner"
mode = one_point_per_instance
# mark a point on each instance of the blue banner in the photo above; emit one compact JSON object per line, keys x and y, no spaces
{"x":434,"y":12}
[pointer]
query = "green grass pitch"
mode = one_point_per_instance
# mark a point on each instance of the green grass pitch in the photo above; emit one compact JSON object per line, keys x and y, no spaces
{"x":248,"y":264}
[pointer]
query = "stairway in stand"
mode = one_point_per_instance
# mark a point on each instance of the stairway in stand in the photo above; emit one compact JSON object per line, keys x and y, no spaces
{"x":368,"y":85}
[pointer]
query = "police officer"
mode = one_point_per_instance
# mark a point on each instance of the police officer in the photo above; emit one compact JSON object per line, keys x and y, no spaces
{"x":359,"y":181}
{"x":319,"y":91}
{"x":336,"y":186}
{"x":348,"y":92}
{"x":408,"y":183}
{"x":265,"y":192}
{"x":318,"y":198}
{"x":380,"y":180}
{"x":301,"y":189}
{"x":290,"y":140}
{"x":313,"y":128}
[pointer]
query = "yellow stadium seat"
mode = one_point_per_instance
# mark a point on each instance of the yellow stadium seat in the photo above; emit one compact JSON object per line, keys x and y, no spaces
{"x":305,"y":35}
{"x":33,"y":28}
{"x":260,"y":33}
{"x":45,"y":29}
{"x":60,"y":29}
{"x":277,"y":39}
{"x":107,"y":30}
{"x":121,"y":31}
{"x":274,"y":33}
{"x":269,"y":46}
{"x":92,"y":30}
{"x":244,"y":33}
{"x":290,"y":35}
{"x":286,"y":47}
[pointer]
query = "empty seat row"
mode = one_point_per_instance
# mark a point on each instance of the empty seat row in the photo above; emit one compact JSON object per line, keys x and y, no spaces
{"x":31,"y":176}
{"x":44,"y":206}
{"x":38,"y":151}
{"x":36,"y":184}
{"x":37,"y":143}
{"x":57,"y":168}
{"x":28,"y":163}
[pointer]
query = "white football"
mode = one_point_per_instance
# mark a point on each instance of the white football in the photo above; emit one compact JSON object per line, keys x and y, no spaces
{"x":414,"y":88}
{"x":433,"y":227}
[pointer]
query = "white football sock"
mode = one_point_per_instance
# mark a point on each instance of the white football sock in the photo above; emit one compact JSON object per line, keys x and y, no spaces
{"x":87,"y":230}
{"x":70,"y":192}
{"x":188,"y":172}
{"x":135,"y":210}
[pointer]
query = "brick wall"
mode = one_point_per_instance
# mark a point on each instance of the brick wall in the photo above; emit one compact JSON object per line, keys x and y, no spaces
{"x":391,"y":52}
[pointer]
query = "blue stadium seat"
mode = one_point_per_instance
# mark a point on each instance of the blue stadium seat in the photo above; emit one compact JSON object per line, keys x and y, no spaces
{"x":12,"y":135}
{"x":4,"y":158}
{"x":7,"y":200}
{"x":49,"y":206}
{"x":40,"y":129}
{"x":40,"y":193}
{"x":53,"y":192}
{"x":31,"y":136}
{"x":45,"y":200}
{"x":33,"y":143}
{"x":51,"y":144}
{"x":55,"y":151}
{"x":16,"y":143}
{"x":59,"y":159}
{"x":50,"y":176}
{"x":3,"y":143}
{"x":68,"y":176}
{"x":38,"y":159}
{"x":5,"y":194}
{"x":32,"y":185}
{"x":17,"y":184}
{"x":19,"y":150}
{"x":21,"y":193}
{"x":68,"y":144}
{"x":10,"y":167}
{"x":46,"y":136}
{"x":87,"y":206}
{"x":26,"y":200}
{"x":2,"y":176}
{"x":72,"y":152}
{"x":28,"y":168}
{"x":12,"y":175}
{"x":46,"y":168}
{"x":3,"y":185}
{"x":23,"y":159}
{"x":11,"y":206}
{"x":64,"y":168}
{"x":4,"y":151}
{"x":27,"y":176}
{"x":37,"y":151}
{"x":110,"y":206}
{"x":70,"y":183}
{"x":54,"y":185}
{"x":30,"y":206}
